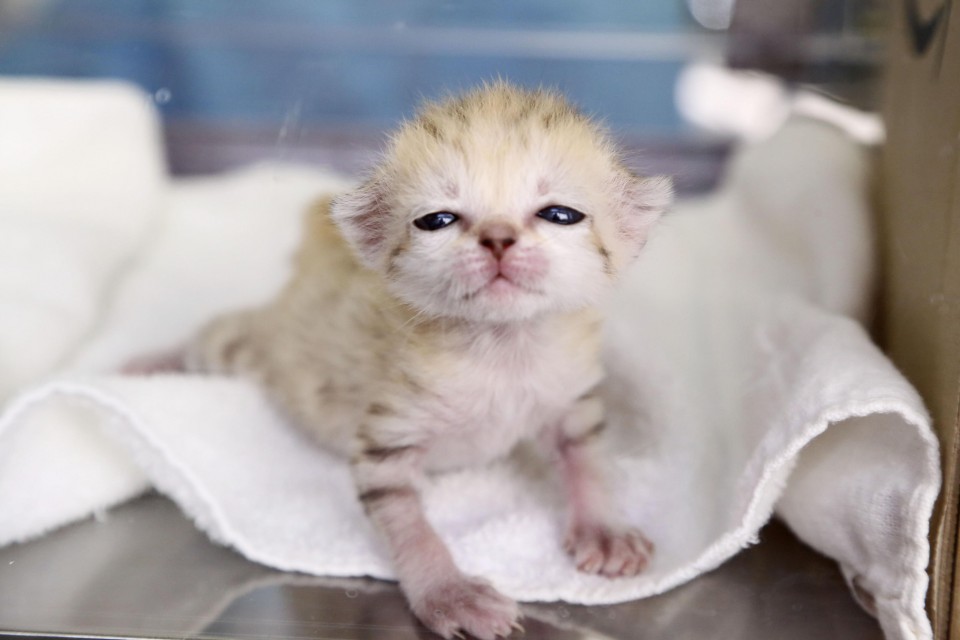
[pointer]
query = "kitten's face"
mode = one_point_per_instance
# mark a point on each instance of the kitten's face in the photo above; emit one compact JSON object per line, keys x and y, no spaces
{"x":499,"y":207}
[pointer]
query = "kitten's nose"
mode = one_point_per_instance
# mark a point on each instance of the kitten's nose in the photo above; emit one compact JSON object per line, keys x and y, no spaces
{"x":498,"y":238}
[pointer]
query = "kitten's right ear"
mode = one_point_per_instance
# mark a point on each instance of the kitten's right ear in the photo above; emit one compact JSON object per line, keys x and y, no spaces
{"x":362,"y":215}
{"x":644,"y":201}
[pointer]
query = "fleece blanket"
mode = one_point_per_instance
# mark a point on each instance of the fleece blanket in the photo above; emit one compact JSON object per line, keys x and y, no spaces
{"x":744,"y":383}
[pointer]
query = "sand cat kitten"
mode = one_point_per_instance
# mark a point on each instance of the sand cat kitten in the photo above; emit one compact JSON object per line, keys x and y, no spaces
{"x":445,"y":310}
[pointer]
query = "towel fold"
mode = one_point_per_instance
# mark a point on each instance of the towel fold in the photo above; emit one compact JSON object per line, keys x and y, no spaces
{"x":742,"y":383}
{"x":81,"y":182}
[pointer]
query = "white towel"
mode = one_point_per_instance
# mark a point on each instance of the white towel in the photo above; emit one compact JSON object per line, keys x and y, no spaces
{"x":742,"y":385}
{"x":81,"y":180}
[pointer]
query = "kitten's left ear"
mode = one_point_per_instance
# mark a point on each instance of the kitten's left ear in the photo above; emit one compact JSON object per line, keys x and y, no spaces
{"x":643,"y":202}
{"x":363,"y":216}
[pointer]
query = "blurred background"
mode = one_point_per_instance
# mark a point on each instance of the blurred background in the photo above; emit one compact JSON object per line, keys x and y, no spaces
{"x":240,"y":80}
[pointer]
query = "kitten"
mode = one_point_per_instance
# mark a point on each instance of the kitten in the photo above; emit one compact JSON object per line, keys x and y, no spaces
{"x":445,"y":310}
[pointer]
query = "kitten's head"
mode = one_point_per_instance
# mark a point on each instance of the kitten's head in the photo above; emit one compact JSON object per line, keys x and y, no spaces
{"x":500,"y":205}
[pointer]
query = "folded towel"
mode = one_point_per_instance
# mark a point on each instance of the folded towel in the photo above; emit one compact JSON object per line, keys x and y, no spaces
{"x":81,"y":181}
{"x":741,"y":385}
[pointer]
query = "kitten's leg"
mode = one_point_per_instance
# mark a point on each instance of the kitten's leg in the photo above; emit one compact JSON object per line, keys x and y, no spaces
{"x":597,"y":538}
{"x":223,"y":346}
{"x":448,"y":602}
{"x":227,"y":345}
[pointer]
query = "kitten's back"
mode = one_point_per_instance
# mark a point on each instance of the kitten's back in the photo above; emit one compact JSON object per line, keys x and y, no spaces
{"x":316,"y":348}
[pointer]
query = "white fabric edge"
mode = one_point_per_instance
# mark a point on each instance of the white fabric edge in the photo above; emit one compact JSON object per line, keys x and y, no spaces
{"x":180,"y":485}
{"x":760,"y":507}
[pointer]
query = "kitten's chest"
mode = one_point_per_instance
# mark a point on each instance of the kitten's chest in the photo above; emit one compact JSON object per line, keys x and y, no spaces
{"x":497,"y":394}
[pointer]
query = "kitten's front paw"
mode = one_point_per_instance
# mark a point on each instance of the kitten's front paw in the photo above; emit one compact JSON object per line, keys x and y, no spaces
{"x":466,"y":605}
{"x":609,"y":551}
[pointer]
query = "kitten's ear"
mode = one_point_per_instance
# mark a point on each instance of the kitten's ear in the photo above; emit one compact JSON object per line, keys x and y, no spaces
{"x":363,"y":216}
{"x":644,"y":200}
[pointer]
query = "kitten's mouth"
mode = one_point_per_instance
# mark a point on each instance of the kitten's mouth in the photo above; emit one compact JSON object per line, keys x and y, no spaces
{"x":500,"y":286}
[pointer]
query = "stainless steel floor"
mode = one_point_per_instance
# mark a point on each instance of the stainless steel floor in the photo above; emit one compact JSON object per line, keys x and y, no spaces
{"x":143,"y":570}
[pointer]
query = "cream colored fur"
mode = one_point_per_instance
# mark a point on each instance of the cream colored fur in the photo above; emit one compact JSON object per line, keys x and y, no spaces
{"x":412,"y":351}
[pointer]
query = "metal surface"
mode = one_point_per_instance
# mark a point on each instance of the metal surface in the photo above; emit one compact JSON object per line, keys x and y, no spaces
{"x":143,"y":570}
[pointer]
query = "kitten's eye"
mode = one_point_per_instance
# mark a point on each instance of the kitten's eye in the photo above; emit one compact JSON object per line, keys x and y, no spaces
{"x":434,"y":221}
{"x":560,"y":215}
